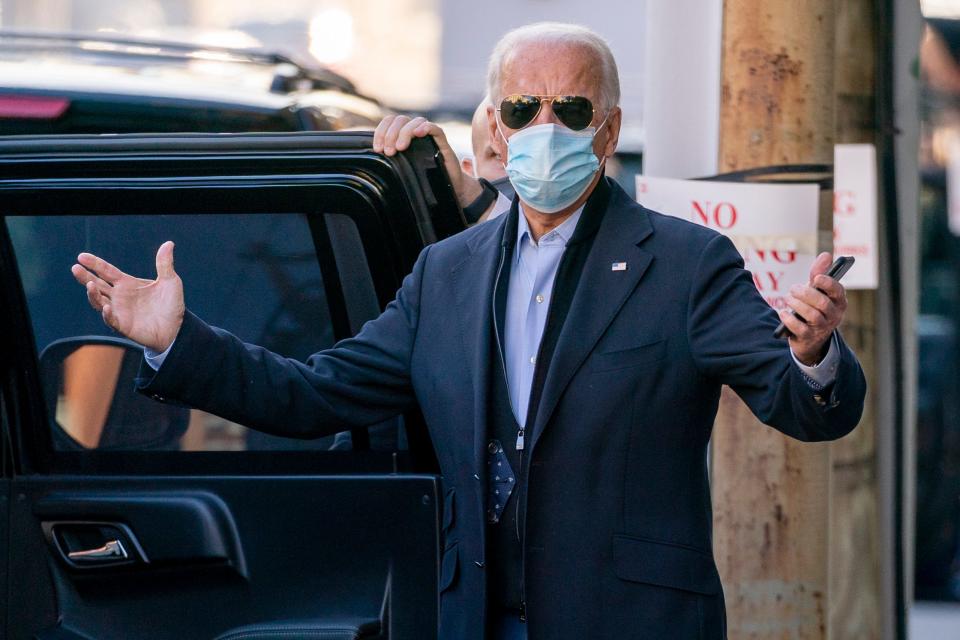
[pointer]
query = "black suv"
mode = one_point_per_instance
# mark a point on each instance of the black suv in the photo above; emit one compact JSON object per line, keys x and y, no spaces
{"x":128,"y":518}
{"x":60,"y":84}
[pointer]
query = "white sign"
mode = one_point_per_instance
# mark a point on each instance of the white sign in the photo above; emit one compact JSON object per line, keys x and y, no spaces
{"x":953,"y":188}
{"x":773,"y":226}
{"x":855,"y":212}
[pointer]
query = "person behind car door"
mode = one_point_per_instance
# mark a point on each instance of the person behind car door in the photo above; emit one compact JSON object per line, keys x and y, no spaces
{"x":485,"y":162}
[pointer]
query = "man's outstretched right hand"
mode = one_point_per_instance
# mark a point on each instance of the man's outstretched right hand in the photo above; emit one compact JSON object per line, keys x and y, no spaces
{"x":148,"y":312}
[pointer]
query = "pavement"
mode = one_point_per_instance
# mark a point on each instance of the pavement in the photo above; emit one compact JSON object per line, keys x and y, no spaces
{"x":934,"y":621}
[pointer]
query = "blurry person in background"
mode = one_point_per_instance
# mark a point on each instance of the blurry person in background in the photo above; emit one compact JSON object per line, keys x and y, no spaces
{"x":486,"y":163}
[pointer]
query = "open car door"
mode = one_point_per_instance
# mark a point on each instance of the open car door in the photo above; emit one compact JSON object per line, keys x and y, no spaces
{"x":129,"y":518}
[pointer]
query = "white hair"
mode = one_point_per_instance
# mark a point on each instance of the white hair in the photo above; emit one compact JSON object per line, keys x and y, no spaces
{"x":556,"y":33}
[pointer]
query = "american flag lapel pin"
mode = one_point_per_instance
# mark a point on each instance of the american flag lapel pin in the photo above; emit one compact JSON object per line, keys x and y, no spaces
{"x":619,"y":266}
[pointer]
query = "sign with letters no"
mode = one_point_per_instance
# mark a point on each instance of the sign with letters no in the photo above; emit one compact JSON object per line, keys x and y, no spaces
{"x":774,"y":226}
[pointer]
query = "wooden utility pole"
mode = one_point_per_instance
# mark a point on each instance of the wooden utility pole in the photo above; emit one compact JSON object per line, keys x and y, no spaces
{"x":855,"y":562}
{"x":771,"y":494}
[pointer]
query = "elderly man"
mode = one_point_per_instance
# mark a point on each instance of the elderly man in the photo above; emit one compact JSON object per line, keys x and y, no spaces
{"x":568,"y":359}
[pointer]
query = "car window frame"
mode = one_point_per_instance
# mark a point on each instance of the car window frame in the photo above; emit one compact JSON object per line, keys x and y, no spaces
{"x":389,"y":253}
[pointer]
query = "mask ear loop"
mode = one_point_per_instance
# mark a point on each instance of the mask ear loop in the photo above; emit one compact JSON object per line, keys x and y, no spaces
{"x":496,"y":116}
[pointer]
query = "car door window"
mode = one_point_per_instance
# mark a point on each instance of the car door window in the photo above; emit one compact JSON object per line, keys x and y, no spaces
{"x":259,"y":276}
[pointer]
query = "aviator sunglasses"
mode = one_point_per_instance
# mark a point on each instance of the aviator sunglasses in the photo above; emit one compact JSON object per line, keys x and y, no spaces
{"x":517,"y":110}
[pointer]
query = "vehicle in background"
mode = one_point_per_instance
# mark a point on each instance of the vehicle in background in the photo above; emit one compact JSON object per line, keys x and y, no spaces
{"x":69,"y":84}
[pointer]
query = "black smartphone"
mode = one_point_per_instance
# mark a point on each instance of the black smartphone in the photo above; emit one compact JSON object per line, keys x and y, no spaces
{"x":837,"y":270}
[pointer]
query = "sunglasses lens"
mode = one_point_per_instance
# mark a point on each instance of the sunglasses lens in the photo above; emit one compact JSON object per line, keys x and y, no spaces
{"x":576,"y":112}
{"x":517,"y":111}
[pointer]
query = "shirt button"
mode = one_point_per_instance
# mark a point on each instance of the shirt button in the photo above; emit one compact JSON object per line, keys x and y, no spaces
{"x":533,"y":359}
{"x":539,"y":299}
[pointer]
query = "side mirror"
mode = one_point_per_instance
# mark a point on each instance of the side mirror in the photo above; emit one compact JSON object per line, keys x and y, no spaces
{"x":88,"y":386}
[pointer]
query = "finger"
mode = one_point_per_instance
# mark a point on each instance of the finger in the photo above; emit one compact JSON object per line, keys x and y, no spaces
{"x":100,"y":287}
{"x":108,"y":318}
{"x":813,"y":298}
{"x":820,"y":265}
{"x":380,"y":132}
{"x":80,"y":274}
{"x":833,"y":289}
{"x":797,"y":327}
{"x":810,"y":315}
{"x":83,"y":276}
{"x":390,"y":137}
{"x":464,"y":185}
{"x":408,"y":131}
{"x":102,"y":268}
{"x":96,"y":299}
{"x":437,"y":133}
{"x":165,"y":261}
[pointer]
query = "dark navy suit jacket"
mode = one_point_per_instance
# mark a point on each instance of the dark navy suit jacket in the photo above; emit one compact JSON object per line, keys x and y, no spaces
{"x":618,"y":541}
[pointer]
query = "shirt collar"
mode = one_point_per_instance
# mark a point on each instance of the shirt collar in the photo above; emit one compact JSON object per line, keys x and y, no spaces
{"x":564,"y":231}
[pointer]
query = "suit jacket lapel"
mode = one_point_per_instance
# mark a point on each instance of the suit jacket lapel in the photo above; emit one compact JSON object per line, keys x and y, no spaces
{"x":600,"y":294}
{"x":473,"y":281}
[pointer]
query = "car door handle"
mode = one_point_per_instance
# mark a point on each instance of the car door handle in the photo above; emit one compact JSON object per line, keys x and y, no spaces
{"x":111,"y":550}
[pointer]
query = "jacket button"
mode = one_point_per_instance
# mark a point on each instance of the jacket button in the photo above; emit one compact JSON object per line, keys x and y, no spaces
{"x":478,"y":563}
{"x":476,"y":476}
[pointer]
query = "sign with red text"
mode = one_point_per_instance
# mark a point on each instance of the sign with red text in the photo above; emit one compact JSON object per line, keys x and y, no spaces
{"x":855,"y":212}
{"x":773,"y":226}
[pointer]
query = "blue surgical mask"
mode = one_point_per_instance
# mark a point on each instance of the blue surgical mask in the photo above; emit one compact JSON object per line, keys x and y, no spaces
{"x":550,"y":166}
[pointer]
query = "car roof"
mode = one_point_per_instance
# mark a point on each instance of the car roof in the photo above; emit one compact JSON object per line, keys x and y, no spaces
{"x":70,"y":64}
{"x":61,"y":77}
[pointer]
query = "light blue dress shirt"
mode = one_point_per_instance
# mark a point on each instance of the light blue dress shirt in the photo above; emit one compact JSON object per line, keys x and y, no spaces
{"x":532,"y":272}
